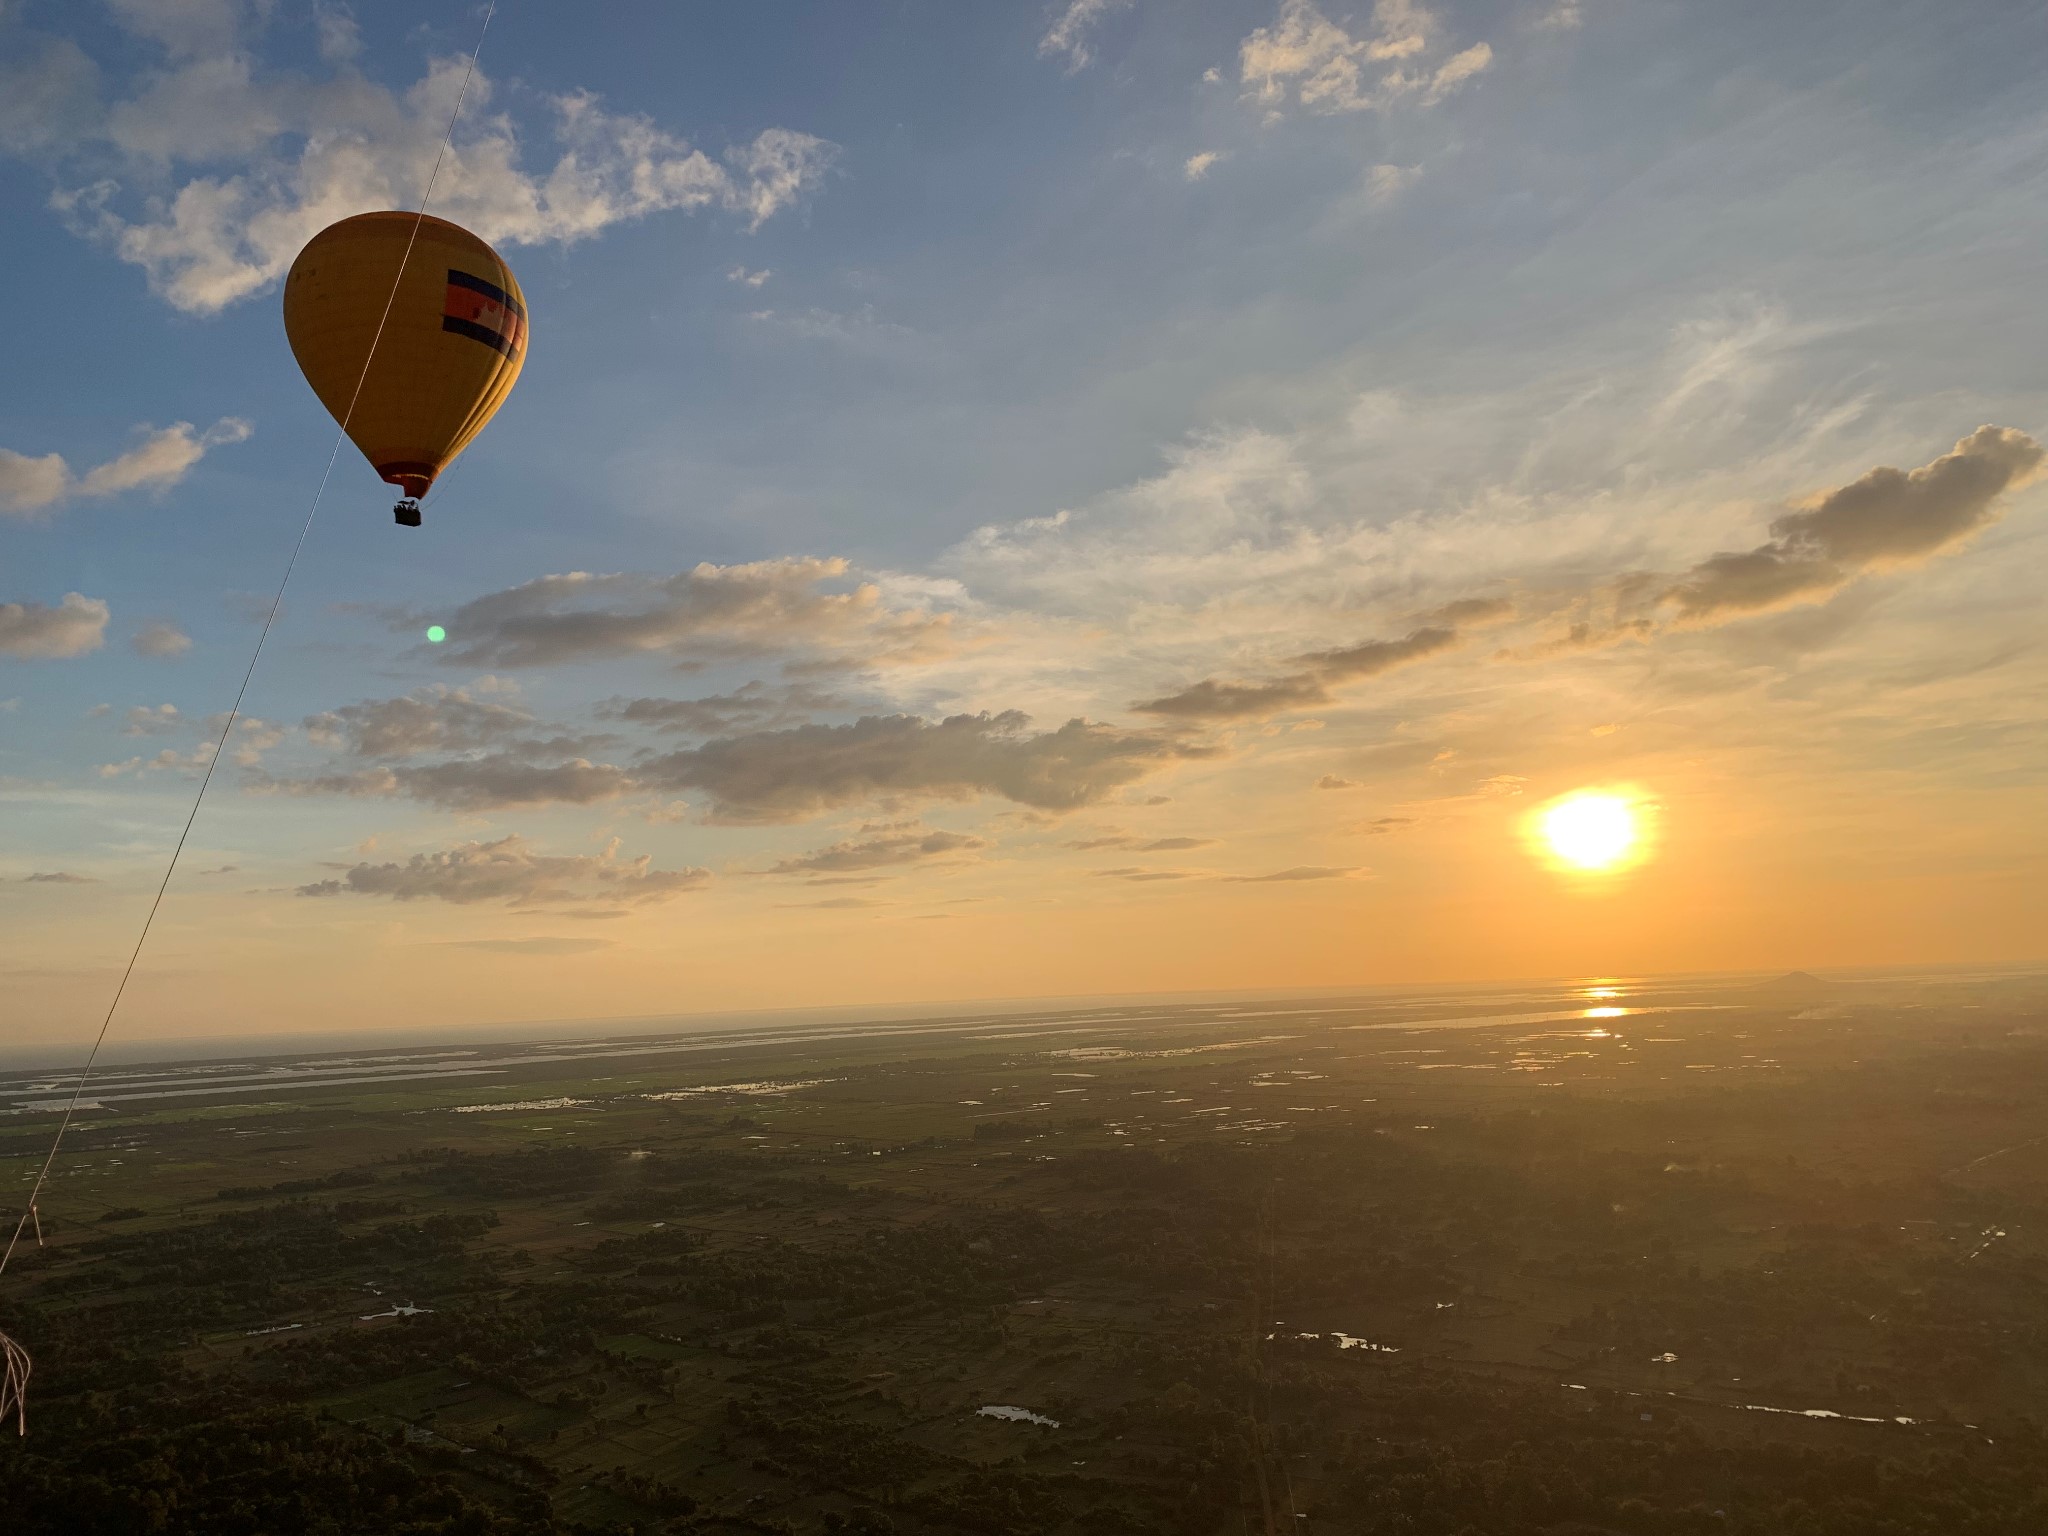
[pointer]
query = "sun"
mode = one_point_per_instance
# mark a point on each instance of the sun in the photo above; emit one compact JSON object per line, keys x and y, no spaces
{"x":1590,"y":830}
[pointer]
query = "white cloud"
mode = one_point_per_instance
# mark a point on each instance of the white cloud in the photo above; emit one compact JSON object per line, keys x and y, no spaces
{"x":49,"y":94}
{"x":27,"y":485}
{"x":858,"y":330}
{"x":33,"y":631}
{"x":152,"y":720}
{"x":280,"y":157}
{"x":1456,"y":70}
{"x":335,"y":28}
{"x":170,"y":760}
{"x":776,"y":169}
{"x":1312,"y":61}
{"x":160,"y":640}
{"x":1069,"y":35}
{"x":1386,"y":182}
{"x":740,"y":274}
{"x":162,"y":459}
{"x":30,"y":487}
{"x":252,"y":736}
{"x":1367,"y":512}
{"x":1199,"y":166}
{"x":182,"y":28}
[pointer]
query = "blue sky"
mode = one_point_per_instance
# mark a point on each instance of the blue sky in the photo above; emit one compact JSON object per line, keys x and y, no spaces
{"x":1297,"y":395}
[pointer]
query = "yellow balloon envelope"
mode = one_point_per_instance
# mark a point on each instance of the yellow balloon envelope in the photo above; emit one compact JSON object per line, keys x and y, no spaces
{"x":450,"y":351}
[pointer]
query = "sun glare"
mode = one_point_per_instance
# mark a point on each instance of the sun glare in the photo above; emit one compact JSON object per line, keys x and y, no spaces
{"x":1588,"y":830}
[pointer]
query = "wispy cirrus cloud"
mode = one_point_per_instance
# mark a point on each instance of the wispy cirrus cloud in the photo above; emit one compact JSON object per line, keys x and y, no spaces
{"x":1307,"y":59}
{"x":1071,"y":35}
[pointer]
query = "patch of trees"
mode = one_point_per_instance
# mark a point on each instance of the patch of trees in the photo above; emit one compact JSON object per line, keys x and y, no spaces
{"x":183,"y":1458}
{"x":347,"y":1178}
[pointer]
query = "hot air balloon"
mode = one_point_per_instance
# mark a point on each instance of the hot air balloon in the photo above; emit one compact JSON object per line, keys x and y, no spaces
{"x":448,"y":352}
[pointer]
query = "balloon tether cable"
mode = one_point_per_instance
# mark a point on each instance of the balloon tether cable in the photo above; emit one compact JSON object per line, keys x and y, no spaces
{"x":30,"y":1215}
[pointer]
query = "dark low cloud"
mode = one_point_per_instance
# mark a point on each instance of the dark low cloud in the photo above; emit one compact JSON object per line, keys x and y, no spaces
{"x":57,"y":877}
{"x":1214,"y":699}
{"x":1886,"y":518}
{"x":1582,"y":636}
{"x":433,"y":719}
{"x":532,"y":946}
{"x":160,"y":641}
{"x":37,"y":632}
{"x":753,"y":706}
{"x":704,"y":614}
{"x":1376,"y":656}
{"x":506,"y":762}
{"x":1299,"y":872}
{"x":1471,"y":612}
{"x":494,"y":782}
{"x":152,"y":720}
{"x":1174,"y":844}
{"x":1309,"y":687}
{"x":511,"y":872}
{"x":784,"y":775}
{"x":883,"y":848}
{"x":1382,"y":826}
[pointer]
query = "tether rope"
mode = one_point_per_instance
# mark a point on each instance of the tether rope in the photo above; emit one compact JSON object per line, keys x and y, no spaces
{"x":270,"y":619}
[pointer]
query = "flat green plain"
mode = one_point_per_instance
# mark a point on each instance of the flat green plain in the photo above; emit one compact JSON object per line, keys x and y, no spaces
{"x":1720,"y":1262}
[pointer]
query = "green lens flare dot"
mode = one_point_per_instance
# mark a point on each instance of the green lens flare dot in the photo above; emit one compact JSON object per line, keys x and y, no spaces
{"x":436,"y":634}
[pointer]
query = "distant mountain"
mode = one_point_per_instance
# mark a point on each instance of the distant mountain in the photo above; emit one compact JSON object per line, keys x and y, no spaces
{"x":1795,"y":987}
